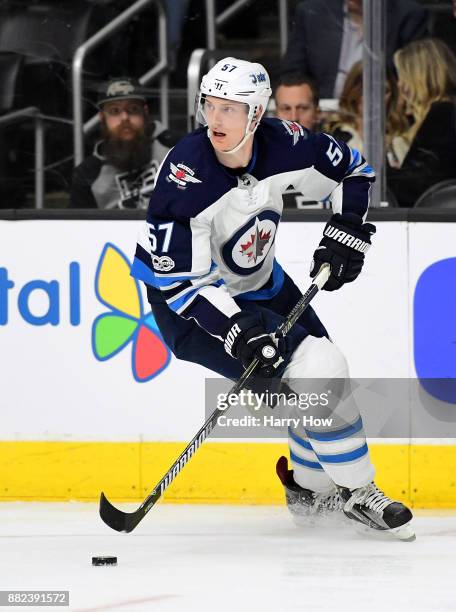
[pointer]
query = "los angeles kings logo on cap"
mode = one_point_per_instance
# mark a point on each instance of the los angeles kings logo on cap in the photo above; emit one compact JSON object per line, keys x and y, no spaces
{"x":246,"y":250}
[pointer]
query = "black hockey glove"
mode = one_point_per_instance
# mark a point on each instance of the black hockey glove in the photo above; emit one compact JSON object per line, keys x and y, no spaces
{"x":345,"y":241}
{"x":246,"y":339}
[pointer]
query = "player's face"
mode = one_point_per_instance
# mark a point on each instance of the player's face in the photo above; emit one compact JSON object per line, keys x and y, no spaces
{"x":124,"y":119}
{"x":296,"y":103}
{"x":227,"y":121}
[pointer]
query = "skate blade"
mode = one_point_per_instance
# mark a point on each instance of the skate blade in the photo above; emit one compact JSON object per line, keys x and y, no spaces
{"x":404,"y":533}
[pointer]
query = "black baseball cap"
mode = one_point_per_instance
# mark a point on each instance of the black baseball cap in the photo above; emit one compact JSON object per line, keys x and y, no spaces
{"x":121,"y":88}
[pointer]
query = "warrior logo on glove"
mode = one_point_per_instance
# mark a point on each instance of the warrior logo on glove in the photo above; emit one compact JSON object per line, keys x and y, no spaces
{"x":345,"y":241}
{"x":348,"y":239}
{"x":246,"y":340}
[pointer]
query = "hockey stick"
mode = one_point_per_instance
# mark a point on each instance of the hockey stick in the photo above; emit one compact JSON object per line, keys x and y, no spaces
{"x":127,"y":521}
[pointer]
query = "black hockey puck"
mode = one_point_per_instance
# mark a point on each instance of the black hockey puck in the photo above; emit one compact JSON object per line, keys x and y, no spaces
{"x":104,"y":560}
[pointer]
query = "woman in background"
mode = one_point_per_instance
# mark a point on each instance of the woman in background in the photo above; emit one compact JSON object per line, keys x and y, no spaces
{"x":424,"y":153}
{"x":347,"y":124}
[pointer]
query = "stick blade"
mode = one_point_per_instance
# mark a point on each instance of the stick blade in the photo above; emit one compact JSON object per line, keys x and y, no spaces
{"x":115,"y":518}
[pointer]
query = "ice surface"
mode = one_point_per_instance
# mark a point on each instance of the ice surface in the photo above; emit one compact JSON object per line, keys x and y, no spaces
{"x":220,"y":559}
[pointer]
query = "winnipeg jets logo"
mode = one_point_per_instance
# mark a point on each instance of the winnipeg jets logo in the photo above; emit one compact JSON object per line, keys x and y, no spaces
{"x":294,"y":129}
{"x":182,"y":175}
{"x":248,"y":247}
{"x":255,"y":245}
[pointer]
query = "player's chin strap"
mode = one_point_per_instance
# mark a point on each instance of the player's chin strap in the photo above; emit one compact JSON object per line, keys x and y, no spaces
{"x":248,"y":132}
{"x":247,"y":135}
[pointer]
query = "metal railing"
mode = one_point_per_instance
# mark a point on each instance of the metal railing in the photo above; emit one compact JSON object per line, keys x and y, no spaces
{"x":195,"y":64}
{"x":374,"y":24}
{"x":213,"y":21}
{"x":18,"y":116}
{"x":160,"y":69}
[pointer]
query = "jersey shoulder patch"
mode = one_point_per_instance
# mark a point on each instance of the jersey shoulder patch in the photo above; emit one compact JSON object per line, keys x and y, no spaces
{"x":284,"y":146}
{"x":288,"y":132}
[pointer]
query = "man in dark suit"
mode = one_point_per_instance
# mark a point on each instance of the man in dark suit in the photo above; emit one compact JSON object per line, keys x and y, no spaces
{"x":327,"y":38}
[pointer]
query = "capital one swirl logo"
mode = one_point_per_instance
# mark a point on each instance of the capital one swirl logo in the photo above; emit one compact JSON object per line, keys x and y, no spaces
{"x":125,"y":324}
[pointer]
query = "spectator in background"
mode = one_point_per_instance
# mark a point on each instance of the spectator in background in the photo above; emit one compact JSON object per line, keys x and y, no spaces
{"x":327,"y":38}
{"x":427,"y":155}
{"x":296,"y":99}
{"x":347,"y":125}
{"x":122,"y":169}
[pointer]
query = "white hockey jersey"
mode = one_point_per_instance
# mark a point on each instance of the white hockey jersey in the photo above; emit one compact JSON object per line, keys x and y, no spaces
{"x":210,"y":230}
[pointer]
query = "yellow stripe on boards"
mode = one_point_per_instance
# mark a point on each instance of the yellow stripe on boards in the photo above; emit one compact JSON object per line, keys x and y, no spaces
{"x":220,"y":473}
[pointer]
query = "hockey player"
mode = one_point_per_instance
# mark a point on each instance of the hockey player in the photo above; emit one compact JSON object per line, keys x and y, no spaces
{"x":218,"y":293}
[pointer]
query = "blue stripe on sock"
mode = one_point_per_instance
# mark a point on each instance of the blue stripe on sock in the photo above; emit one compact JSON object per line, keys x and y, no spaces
{"x":329,"y":436}
{"x":299,"y":440}
{"x":344,"y":457}
{"x":314,"y":465}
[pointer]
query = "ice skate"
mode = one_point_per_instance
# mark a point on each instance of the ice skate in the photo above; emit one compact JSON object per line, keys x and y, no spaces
{"x":369,"y":506}
{"x":304,"y":504}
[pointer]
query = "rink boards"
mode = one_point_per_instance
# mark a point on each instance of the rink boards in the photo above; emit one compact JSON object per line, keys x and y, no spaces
{"x":92,"y":400}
